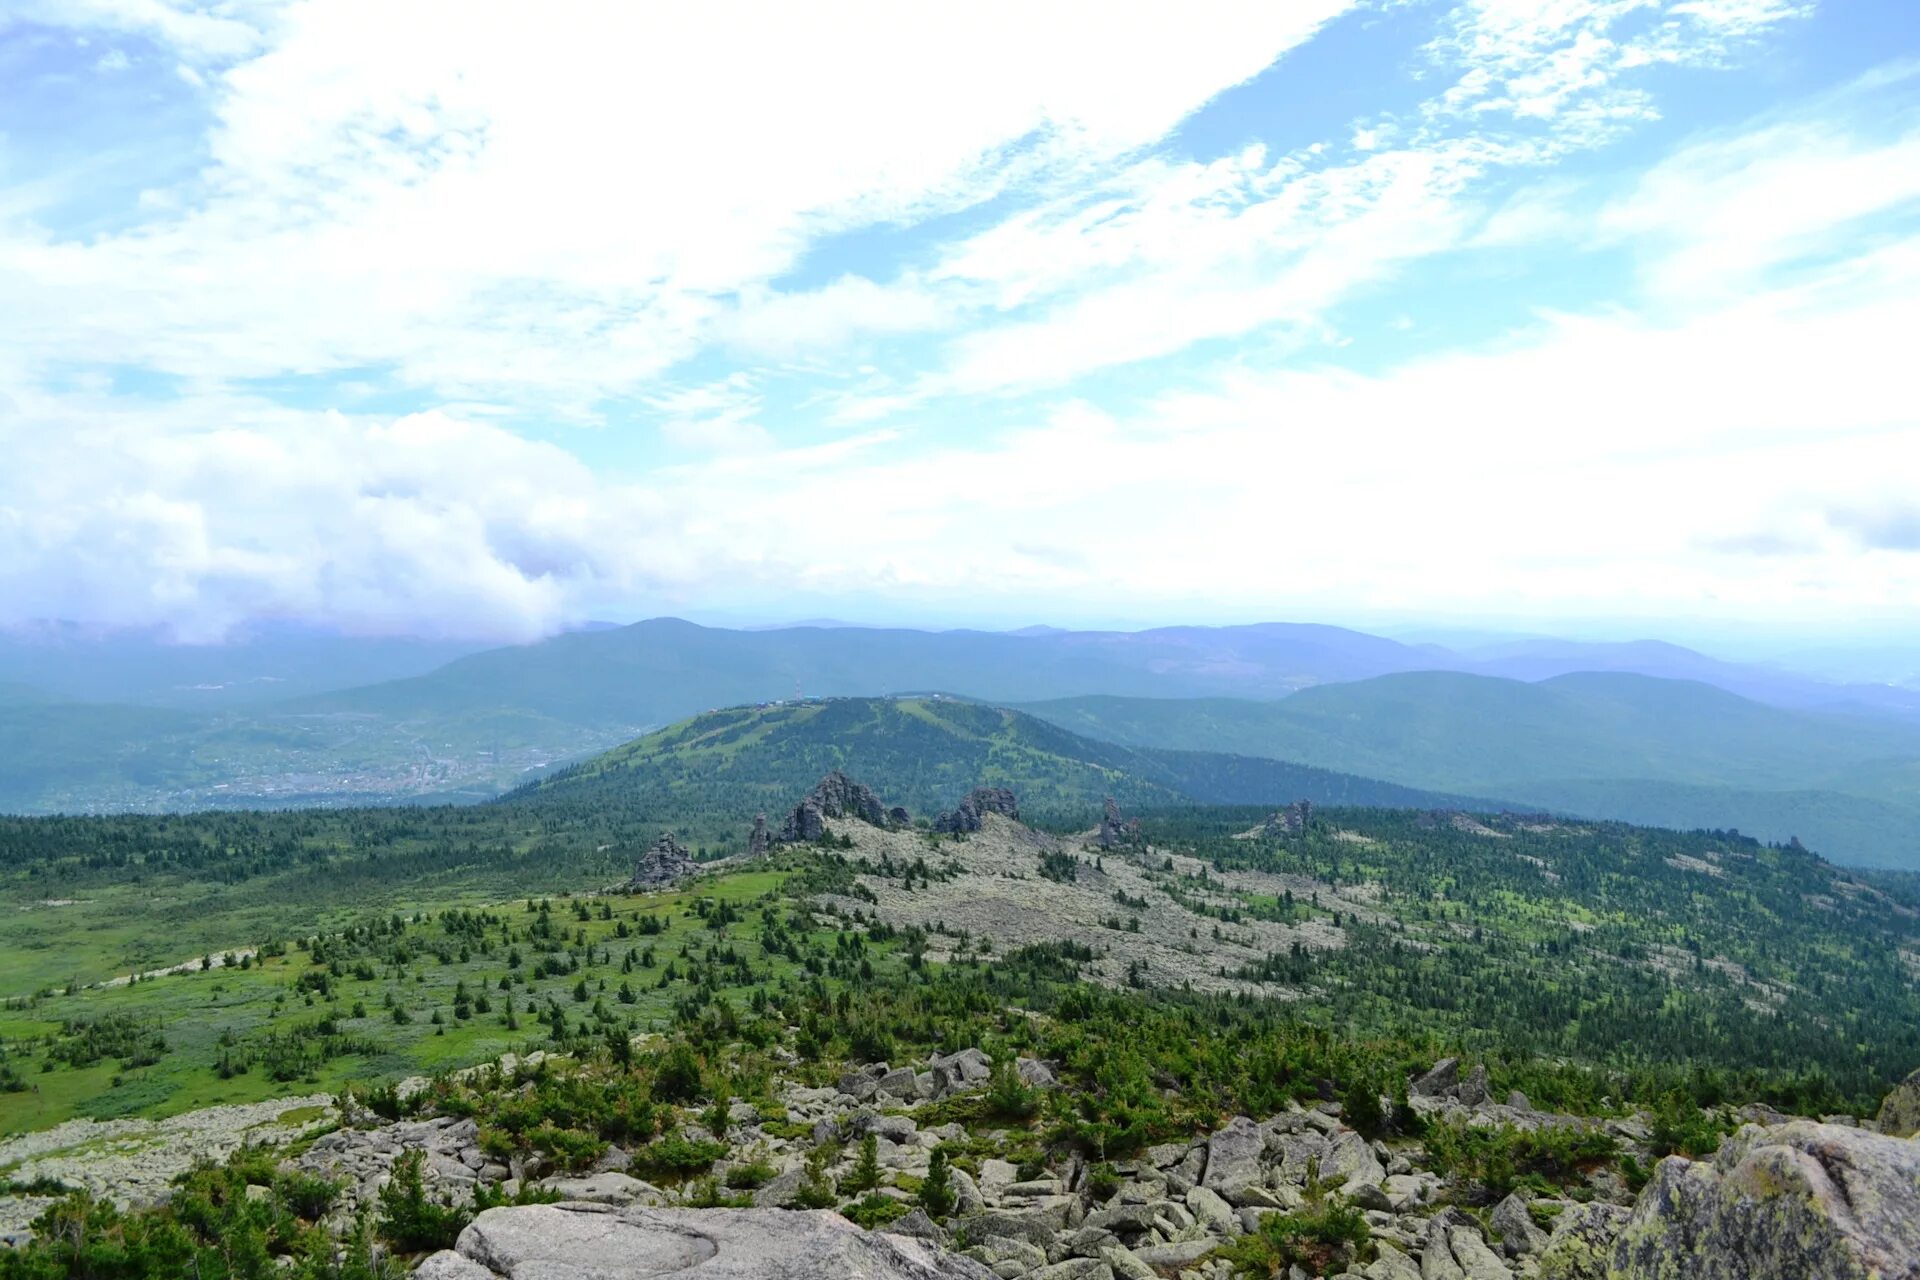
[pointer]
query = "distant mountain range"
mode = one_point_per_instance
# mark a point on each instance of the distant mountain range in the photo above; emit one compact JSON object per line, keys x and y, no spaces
{"x":1644,"y":731}
{"x":1652,"y":751}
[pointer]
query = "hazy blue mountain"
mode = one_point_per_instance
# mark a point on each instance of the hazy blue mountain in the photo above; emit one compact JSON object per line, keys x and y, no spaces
{"x":663,"y":669}
{"x":1613,"y":745}
{"x":1543,"y":659}
{"x":264,"y":665}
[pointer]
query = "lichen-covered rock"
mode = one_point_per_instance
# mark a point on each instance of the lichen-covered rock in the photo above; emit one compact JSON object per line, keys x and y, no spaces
{"x":538,"y":1242}
{"x":1351,"y":1161}
{"x":1783,"y":1202}
{"x":1580,"y":1246}
{"x":1900,"y":1109}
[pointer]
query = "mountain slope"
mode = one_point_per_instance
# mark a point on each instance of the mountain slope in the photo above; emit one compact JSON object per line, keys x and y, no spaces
{"x":711,"y":774}
{"x":1611,"y":745}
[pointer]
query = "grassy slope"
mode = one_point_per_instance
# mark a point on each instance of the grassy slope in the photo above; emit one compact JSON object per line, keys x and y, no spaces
{"x":196,"y":1009}
{"x":1532,"y":941}
{"x":1615,"y":745}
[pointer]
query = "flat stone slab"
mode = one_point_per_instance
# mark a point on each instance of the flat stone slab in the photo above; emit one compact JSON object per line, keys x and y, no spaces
{"x":578,"y":1241}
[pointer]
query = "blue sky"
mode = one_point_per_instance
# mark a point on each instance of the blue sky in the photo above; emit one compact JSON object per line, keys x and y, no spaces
{"x":1565,"y":314}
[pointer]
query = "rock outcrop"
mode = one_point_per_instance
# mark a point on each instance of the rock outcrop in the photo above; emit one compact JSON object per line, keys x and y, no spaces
{"x":1900,"y":1109}
{"x":599,"y":1242}
{"x":1444,"y":1084}
{"x":1115,"y":831}
{"x":1781,"y":1202}
{"x":663,"y":864}
{"x":1290,"y":821}
{"x":760,"y":839}
{"x":837,"y":796}
{"x":979,"y":802}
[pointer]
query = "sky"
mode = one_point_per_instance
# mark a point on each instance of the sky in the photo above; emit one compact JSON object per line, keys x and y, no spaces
{"x":484,"y":320}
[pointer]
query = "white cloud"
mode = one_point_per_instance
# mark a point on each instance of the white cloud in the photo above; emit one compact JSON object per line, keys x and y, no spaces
{"x":832,"y":317}
{"x":1165,"y":255}
{"x":1717,"y":216}
{"x":538,"y":224}
{"x":718,"y":417}
{"x":197,"y":32}
{"x":1463,"y":480}
{"x":554,"y":208}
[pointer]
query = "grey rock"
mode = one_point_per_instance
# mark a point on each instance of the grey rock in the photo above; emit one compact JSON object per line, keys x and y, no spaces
{"x":1477,"y":1261}
{"x":759,"y":840}
{"x":1581,"y":1243}
{"x":1780,"y":1203}
{"x":969,"y":1066}
{"x":606,"y":1188}
{"x":1369,"y":1195}
{"x":918,"y":1225}
{"x":1299,"y":1154}
{"x":861,"y":1083}
{"x":1439,"y":1082}
{"x":966,"y":1195}
{"x":1351,"y":1161}
{"x":1036,"y":1226}
{"x":592,"y":1242}
{"x":1075,"y":1269}
{"x":977,"y":803}
{"x":781,"y":1191}
{"x":1518,"y":1235}
{"x":996,"y":1176}
{"x":1473,"y":1091}
{"x":901,"y":1083}
{"x":1116,"y":832}
{"x":1437,"y":1262}
{"x":1126,"y":1265}
{"x":1900,"y":1110}
{"x":666,"y":862}
{"x":1210,"y":1210}
{"x":1233,"y":1157}
{"x":1392,"y":1264}
{"x":448,"y":1265}
{"x":1172,"y":1256}
{"x":835,"y":796}
{"x":1290,"y":821}
{"x":892,"y":1128}
{"x":1034,"y":1072}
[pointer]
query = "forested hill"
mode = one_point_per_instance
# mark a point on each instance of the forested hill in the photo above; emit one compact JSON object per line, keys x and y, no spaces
{"x":711,"y":774}
{"x":1658,"y":752}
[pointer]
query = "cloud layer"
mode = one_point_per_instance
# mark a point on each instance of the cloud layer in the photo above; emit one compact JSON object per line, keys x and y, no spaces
{"x":483,"y":327}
